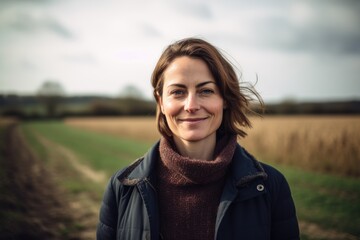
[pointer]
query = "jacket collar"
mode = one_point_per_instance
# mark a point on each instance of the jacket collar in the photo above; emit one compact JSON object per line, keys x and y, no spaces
{"x":245,"y":168}
{"x":142,"y":168}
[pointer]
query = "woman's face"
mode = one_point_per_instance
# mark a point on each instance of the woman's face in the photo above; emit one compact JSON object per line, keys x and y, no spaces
{"x":191,"y":101}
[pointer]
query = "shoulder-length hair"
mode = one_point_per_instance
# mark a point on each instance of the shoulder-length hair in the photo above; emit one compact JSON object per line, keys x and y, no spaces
{"x":237,"y":99}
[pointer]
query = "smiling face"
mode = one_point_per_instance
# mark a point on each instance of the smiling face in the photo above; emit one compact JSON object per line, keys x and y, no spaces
{"x":191,"y":101}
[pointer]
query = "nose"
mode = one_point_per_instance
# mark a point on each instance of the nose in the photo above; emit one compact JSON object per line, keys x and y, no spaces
{"x":191,"y":103}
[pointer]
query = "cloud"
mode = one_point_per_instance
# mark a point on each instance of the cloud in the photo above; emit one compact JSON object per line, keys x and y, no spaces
{"x":150,"y":31}
{"x":11,"y":2}
{"x":321,"y":28}
{"x":28,"y":20}
{"x":84,"y":58}
{"x":57,"y":28}
{"x":193,"y":8}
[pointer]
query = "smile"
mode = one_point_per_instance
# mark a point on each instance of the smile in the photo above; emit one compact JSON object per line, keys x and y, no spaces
{"x":192,"y":120}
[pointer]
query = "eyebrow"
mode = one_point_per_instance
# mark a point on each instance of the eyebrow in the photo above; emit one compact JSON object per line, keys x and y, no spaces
{"x":197,"y":86}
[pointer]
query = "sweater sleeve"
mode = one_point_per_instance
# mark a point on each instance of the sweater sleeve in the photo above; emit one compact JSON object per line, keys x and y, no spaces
{"x":284,"y":224}
{"x":106,"y":229}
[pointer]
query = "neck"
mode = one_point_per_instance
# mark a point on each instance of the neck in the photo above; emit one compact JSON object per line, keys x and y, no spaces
{"x":197,"y":150}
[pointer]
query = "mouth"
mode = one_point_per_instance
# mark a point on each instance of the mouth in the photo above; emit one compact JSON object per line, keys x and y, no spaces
{"x":192,"y":120}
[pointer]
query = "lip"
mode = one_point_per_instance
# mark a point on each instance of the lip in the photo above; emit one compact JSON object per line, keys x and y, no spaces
{"x":192,"y":120}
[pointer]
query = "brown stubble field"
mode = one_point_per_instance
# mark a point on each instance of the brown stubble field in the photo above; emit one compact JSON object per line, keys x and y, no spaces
{"x":138,"y":128}
{"x":319,"y":143}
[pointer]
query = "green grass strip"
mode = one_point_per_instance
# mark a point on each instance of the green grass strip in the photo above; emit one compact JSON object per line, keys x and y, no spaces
{"x":333,"y":202}
{"x":102,"y":152}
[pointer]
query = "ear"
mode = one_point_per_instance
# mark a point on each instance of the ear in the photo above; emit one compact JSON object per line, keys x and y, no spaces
{"x":225,"y":106}
{"x":160,"y":102}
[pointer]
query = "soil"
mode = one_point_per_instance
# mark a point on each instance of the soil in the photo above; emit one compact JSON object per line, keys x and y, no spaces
{"x":33,"y":205}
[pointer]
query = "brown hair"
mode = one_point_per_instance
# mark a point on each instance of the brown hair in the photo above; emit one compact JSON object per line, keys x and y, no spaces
{"x":236,"y":98}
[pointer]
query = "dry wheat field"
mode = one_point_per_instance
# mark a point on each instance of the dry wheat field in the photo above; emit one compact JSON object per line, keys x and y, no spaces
{"x":319,"y":143}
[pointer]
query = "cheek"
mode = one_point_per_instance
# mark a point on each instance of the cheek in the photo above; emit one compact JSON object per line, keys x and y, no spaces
{"x":170,"y":108}
{"x":218,"y":107}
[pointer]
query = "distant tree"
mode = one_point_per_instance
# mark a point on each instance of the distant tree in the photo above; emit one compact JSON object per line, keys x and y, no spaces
{"x":51,"y":94}
{"x":131,"y":91}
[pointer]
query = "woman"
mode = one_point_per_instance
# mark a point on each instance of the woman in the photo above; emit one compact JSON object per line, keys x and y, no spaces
{"x":197,"y":182}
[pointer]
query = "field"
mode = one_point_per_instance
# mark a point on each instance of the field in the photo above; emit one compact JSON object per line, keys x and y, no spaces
{"x":327,"y":144}
{"x":318,"y":155}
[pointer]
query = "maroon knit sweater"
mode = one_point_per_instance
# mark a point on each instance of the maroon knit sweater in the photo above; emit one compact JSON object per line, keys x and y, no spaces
{"x":190,"y":190}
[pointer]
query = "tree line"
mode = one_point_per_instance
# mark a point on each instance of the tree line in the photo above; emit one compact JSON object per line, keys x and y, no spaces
{"x":40,"y":107}
{"x":35,"y":107}
{"x":50,"y":101}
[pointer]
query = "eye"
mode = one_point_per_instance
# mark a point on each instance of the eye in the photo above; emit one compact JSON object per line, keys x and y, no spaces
{"x":177,"y":92}
{"x":206,"y":91}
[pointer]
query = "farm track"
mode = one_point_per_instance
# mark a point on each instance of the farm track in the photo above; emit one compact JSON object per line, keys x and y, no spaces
{"x":50,"y":211}
{"x":34,"y":195}
{"x":85,"y":206}
{"x":61,"y":151}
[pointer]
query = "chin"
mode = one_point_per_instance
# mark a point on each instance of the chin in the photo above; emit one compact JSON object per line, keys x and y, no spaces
{"x":195,"y":137}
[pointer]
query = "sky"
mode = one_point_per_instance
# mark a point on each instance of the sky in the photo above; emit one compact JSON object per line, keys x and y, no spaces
{"x":300,"y":50}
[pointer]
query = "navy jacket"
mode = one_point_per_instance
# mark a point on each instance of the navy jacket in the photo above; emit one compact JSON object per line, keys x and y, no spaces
{"x":256,"y":202}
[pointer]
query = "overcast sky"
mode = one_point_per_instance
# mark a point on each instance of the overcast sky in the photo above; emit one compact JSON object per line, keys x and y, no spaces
{"x":301,"y":50}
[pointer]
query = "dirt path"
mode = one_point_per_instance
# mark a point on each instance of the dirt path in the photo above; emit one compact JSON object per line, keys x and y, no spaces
{"x":37,"y":193}
{"x":68,"y":155}
{"x":83,"y":204}
{"x":33,"y":205}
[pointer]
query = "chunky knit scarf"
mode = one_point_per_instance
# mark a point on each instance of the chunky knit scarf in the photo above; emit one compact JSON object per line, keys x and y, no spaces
{"x":189,"y":190}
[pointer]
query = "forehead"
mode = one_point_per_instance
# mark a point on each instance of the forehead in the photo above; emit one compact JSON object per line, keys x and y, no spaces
{"x":187,"y":70}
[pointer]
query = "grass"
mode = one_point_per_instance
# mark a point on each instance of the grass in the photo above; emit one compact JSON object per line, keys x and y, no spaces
{"x":40,"y":150}
{"x":102,"y":152}
{"x":332,"y":202}
{"x":329,"y":201}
